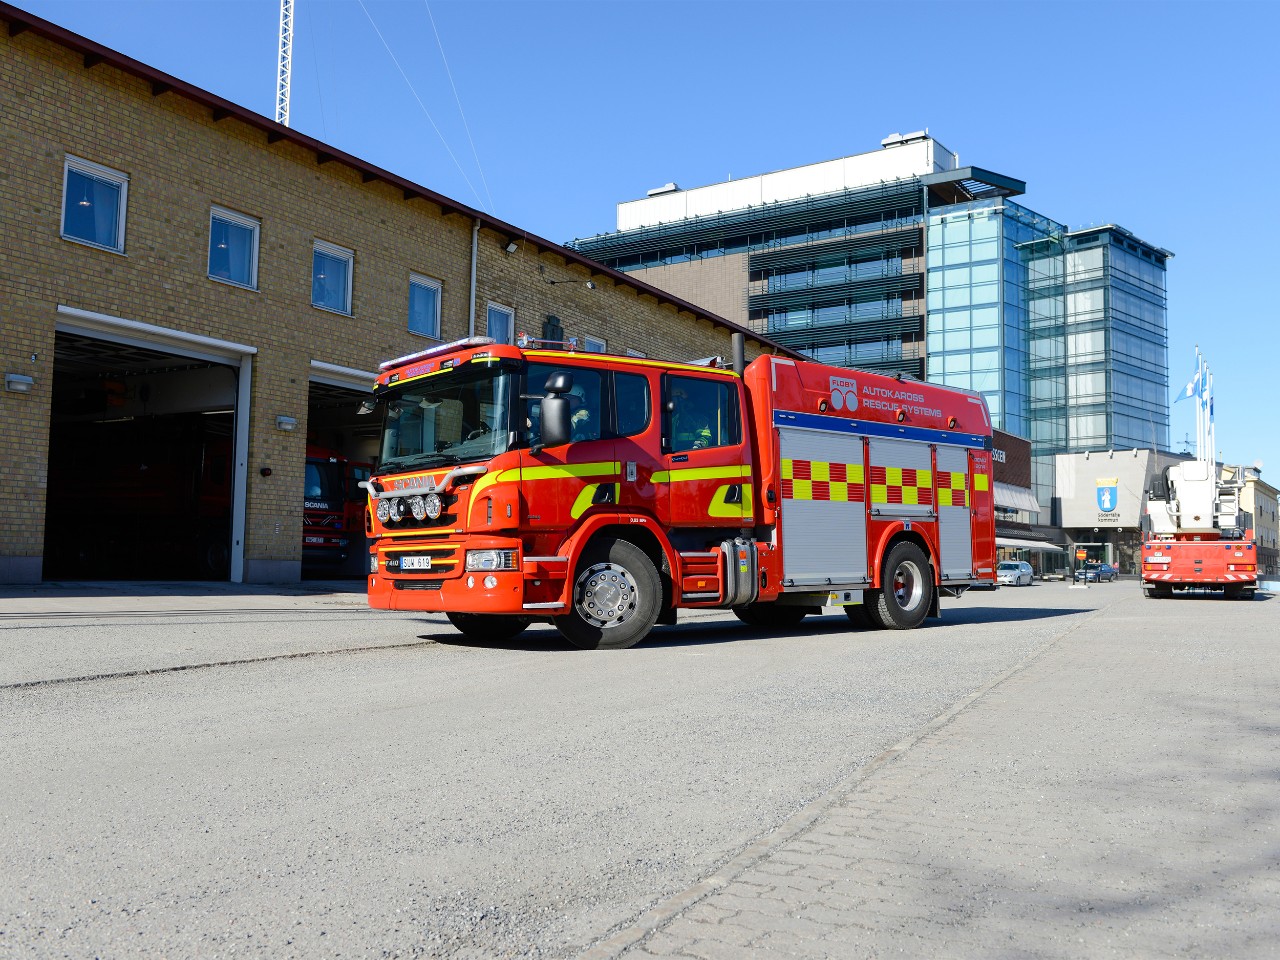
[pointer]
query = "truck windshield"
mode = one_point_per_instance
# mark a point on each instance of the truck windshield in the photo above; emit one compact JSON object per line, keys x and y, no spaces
{"x":448,"y":418}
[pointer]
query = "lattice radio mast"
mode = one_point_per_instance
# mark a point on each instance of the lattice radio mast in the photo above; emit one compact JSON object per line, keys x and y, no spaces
{"x":286,"y":62}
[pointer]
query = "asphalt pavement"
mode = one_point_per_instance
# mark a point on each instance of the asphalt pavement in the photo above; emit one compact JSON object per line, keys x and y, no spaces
{"x":1054,"y":771}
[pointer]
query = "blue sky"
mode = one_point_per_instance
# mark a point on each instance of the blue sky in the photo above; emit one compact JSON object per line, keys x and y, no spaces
{"x":1158,"y":116}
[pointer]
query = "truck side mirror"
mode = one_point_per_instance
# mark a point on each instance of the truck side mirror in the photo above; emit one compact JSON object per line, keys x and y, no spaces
{"x":556,"y":429}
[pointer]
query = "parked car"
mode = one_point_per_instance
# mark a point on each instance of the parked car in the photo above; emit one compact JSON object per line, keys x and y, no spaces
{"x":1014,"y":573}
{"x":1096,"y":573}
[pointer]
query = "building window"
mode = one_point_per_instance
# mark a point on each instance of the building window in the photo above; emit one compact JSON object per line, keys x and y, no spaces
{"x":500,"y":322}
{"x":331,"y":277}
{"x":594,"y":345}
{"x":233,"y":248}
{"x":93,"y":204}
{"x":636,"y":353}
{"x":424,"y":306}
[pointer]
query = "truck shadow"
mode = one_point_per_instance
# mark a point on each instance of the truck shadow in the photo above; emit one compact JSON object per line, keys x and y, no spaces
{"x":543,"y":637}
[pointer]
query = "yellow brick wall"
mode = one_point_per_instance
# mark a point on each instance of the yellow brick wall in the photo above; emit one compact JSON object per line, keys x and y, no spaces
{"x":180,"y":162}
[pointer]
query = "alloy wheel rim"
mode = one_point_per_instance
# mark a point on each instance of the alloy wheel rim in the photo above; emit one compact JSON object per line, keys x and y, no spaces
{"x":908,"y":585}
{"x":606,"y":595}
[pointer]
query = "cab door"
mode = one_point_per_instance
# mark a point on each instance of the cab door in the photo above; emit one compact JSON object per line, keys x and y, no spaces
{"x":706,"y":464}
{"x":560,"y":484}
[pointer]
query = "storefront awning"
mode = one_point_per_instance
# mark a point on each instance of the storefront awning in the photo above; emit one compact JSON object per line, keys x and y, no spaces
{"x":1038,"y":545}
{"x":1015,"y":498}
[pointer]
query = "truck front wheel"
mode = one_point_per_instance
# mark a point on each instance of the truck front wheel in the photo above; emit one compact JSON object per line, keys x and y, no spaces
{"x":906,"y":589}
{"x":488,"y":627}
{"x":616,"y":598}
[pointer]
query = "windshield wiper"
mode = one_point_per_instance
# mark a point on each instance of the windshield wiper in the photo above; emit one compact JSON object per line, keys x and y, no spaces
{"x":423,"y":459}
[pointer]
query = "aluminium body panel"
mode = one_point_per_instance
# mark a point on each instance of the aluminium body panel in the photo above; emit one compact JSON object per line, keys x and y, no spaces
{"x":823,"y":515}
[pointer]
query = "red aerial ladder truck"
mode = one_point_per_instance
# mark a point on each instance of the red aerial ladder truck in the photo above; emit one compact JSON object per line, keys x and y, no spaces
{"x":519,"y":483}
{"x":1197,"y":537}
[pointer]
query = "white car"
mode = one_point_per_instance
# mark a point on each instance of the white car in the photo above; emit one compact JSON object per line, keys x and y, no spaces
{"x":1014,"y":573}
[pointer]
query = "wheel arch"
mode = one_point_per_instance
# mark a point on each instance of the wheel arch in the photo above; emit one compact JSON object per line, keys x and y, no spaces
{"x":641,"y":531}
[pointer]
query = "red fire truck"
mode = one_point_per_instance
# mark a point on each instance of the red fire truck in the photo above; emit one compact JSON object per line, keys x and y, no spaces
{"x":518,"y":483}
{"x":1198,"y":536}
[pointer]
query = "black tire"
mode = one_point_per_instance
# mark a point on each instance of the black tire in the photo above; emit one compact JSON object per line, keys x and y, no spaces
{"x":488,"y":627}
{"x":859,"y":615}
{"x":617,"y":596}
{"x":906,"y":592}
{"x":772,"y":616}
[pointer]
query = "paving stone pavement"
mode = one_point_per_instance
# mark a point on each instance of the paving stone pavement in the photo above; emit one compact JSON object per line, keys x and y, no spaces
{"x":1114,"y":796}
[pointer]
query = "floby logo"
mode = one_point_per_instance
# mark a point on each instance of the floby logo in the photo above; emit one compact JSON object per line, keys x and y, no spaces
{"x":844,"y":394}
{"x":1108,"y":488}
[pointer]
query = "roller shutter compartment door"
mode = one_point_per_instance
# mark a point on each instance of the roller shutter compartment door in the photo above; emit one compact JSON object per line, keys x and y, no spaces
{"x":955,"y":528}
{"x":901,"y":479}
{"x":824,"y":519}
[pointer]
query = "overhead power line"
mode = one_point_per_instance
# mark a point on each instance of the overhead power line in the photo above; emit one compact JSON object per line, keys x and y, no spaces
{"x":423,"y":106}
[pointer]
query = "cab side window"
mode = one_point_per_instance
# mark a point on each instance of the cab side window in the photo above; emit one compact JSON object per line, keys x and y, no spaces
{"x":700,"y":413}
{"x":631,"y":397}
{"x":584,"y":402}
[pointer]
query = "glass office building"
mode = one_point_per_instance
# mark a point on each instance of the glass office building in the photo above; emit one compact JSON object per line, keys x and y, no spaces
{"x":902,"y":261}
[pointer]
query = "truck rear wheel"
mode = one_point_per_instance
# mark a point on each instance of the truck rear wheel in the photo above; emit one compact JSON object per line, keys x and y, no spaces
{"x":488,"y":627}
{"x":772,"y":616}
{"x":617,"y":596}
{"x":906,"y":589}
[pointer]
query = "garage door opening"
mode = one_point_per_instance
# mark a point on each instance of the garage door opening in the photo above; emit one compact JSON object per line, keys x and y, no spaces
{"x":141,"y":464}
{"x":340,"y":451}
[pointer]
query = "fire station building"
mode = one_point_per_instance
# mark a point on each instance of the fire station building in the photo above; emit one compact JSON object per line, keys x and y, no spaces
{"x":191,"y":294}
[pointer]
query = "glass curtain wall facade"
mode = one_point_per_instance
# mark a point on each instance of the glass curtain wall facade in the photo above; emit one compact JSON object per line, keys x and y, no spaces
{"x":1117,"y":364}
{"x":839,"y":277}
{"x":981,"y":303}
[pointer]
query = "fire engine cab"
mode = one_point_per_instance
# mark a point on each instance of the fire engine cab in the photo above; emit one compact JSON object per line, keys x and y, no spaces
{"x":519,"y":483}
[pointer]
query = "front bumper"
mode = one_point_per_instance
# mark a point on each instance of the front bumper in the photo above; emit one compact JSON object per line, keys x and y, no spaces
{"x":533,"y":589}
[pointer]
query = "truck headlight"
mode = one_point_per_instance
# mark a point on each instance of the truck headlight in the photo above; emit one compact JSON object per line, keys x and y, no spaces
{"x":417,"y":507}
{"x":491,"y":560}
{"x":433,"y":505}
{"x":384,"y":511}
{"x":398,"y":509}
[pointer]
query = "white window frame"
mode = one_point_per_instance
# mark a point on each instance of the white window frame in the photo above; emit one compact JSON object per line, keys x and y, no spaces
{"x":501,"y":308}
{"x":592,"y":344}
{"x":340,"y":253}
{"x":240,"y":220}
{"x":90,"y":169}
{"x":424,"y":281}
{"x":636,"y":353}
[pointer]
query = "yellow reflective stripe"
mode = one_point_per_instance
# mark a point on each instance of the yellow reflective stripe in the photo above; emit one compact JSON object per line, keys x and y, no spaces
{"x":879,"y":493}
{"x":980,"y":481}
{"x":719,"y":508}
{"x":418,"y":532}
{"x":788,"y":469}
{"x":490,"y":478}
{"x":700,"y":473}
{"x":603,"y":468}
{"x":819,"y":470}
{"x":587,"y":495}
{"x":636,"y":362}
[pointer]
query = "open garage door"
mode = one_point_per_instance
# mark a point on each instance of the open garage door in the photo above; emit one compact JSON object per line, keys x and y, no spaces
{"x":341,"y":446}
{"x":145,"y":460}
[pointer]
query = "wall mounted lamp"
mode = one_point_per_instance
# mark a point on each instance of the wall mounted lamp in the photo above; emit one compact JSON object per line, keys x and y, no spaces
{"x":511,"y":246}
{"x":591,"y":284}
{"x":287,"y":424}
{"x":18,"y":382}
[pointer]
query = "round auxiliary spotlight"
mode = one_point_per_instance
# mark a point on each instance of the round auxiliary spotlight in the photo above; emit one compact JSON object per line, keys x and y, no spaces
{"x":433,"y":505}
{"x":901,"y":415}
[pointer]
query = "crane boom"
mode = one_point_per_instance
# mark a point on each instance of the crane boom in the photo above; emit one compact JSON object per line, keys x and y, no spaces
{"x":285,"y":69}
